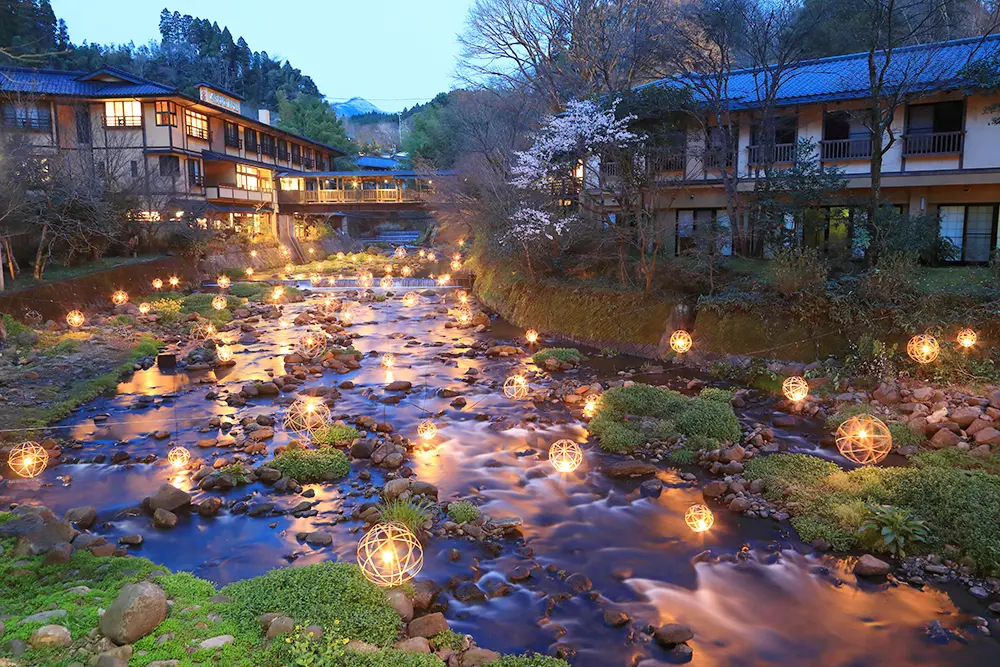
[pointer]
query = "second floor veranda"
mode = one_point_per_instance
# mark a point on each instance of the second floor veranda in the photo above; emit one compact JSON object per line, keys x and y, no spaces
{"x":358,"y":187}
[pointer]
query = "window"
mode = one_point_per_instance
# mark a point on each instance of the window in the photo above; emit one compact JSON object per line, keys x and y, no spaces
{"x":83,"y":129}
{"x":135,"y":169}
{"x":232,"y":135}
{"x":320,"y":161}
{"x":307,"y":158}
{"x":720,"y":146}
{"x":282,"y":149}
{"x":31,"y":117}
{"x":845,"y":137}
{"x":706,"y":227}
{"x":296,"y":154}
{"x":166,"y":113}
{"x":249,"y":178}
{"x":196,"y":124}
{"x":123,"y":113}
{"x":170,"y":165}
{"x":971,"y":229}
{"x":938,"y":117}
{"x":267,"y":146}
{"x":194,"y":172}
{"x":250,"y":139}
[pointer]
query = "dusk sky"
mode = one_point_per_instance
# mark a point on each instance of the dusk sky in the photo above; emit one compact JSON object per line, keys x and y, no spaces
{"x":394,"y":53}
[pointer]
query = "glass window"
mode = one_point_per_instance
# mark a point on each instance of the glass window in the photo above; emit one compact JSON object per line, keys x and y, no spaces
{"x":937,"y":117}
{"x":123,"y":113}
{"x":248,"y":178}
{"x":250,"y":139}
{"x":170,"y":165}
{"x":282,"y":149}
{"x":296,"y":154}
{"x":194,"y":172}
{"x":83,"y":130}
{"x":232,"y":135}
{"x":166,"y":113}
{"x":267,"y":145}
{"x":196,"y":124}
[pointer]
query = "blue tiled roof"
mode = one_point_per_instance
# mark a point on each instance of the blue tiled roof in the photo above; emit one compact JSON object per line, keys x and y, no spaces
{"x":927,"y":67}
{"x":77,"y":84}
{"x":371,"y":162}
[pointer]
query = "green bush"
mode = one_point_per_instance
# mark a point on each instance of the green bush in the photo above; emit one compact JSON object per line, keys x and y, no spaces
{"x":323,"y":594}
{"x":782,"y":471}
{"x":463,"y":512}
{"x":904,"y":436}
{"x":168,"y":310}
{"x":528,"y":661}
{"x":12,"y":326}
{"x":892,"y":529}
{"x":448,"y":640}
{"x":567,"y":355}
{"x":331,"y":435}
{"x":798,"y":270}
{"x":312,"y":465}
{"x":411,"y":512}
{"x":716,"y":394}
{"x":709,"y":418}
{"x":201,"y":303}
{"x":249,"y":290}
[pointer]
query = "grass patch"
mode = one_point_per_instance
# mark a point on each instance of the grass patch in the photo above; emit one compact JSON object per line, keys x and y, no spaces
{"x":528,"y":661}
{"x":412,"y":513}
{"x":331,"y":435}
{"x":447,"y":640}
{"x":628,"y":417}
{"x":463,"y":512}
{"x":567,"y":355}
{"x":312,"y":465}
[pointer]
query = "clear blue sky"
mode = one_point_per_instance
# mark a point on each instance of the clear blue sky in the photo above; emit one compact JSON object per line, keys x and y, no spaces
{"x":394,"y":53}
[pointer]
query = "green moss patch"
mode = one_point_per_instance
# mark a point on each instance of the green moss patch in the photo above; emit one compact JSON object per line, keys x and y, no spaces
{"x":463,"y":512}
{"x":312,"y":465}
{"x":567,"y":355}
{"x":331,"y":435}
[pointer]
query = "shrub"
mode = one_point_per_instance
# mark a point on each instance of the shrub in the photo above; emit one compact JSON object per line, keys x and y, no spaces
{"x":249,"y":290}
{"x":892,"y":529}
{"x":789,"y":469}
{"x":449,"y":640}
{"x":798,"y":270}
{"x":322,"y":594}
{"x":846,"y":412}
{"x":411,"y":512}
{"x":312,"y":465}
{"x":716,"y":394}
{"x":463,"y":512}
{"x":12,"y":326}
{"x":168,"y":310}
{"x":331,"y":435}
{"x":566,"y":355}
{"x":709,"y":418}
{"x":904,"y":436}
{"x":526,"y":660}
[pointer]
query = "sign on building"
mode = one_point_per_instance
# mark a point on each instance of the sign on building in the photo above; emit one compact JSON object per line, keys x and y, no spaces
{"x":219,"y":99}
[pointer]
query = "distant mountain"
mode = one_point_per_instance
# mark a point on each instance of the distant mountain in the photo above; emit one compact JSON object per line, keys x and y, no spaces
{"x":356,"y":106}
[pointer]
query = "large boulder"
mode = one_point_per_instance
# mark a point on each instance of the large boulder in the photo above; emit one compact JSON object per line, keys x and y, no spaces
{"x":869,"y":566}
{"x":428,"y":626}
{"x":51,"y":635}
{"x":170,"y":498}
{"x":135,"y":613}
{"x":83,"y":517}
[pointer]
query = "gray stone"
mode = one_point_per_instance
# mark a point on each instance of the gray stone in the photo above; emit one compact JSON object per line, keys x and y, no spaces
{"x":51,"y":635}
{"x":217,"y":642}
{"x":281,"y":625}
{"x":164,"y":519}
{"x":477,"y":657}
{"x":869,"y":566}
{"x":428,"y":626}
{"x":401,"y":603}
{"x":414,"y":645}
{"x":672,"y":633}
{"x":83,"y":517}
{"x":170,"y":498}
{"x":135,"y":613}
{"x":43,"y":616}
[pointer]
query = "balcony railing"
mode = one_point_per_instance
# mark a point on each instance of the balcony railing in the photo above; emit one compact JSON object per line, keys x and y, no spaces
{"x":122,"y":121}
{"x":282,"y":154}
{"x":199,"y":132}
{"x":714,"y":159}
{"x":233,"y":142}
{"x":232,"y":191}
{"x":933,"y":143}
{"x":30,"y":124}
{"x":609,"y":169}
{"x":381,"y":195}
{"x":846,"y":149}
{"x":660,"y":162}
{"x":196,"y":180}
{"x":778,"y":154}
{"x":307,"y":162}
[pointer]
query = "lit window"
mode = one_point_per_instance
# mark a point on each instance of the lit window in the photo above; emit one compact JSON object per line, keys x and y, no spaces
{"x":123,"y":113}
{"x":196,"y":124}
{"x":248,"y":178}
{"x":166,"y":113}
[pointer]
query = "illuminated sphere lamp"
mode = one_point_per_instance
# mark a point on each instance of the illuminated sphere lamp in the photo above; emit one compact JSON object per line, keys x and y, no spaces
{"x":699,"y":518}
{"x":157,"y":283}
{"x":390,"y":554}
{"x":224,"y":353}
{"x":531,"y":336}
{"x":967,"y":338}
{"x":427,"y":429}
{"x":443,"y":279}
{"x":411,"y":299}
{"x":406,"y":271}
{"x":590,"y":406}
{"x":202,"y":330}
{"x":33,"y":316}
{"x":119,"y":298}
{"x":388,"y":360}
{"x":75,"y":319}
{"x":795,"y":388}
{"x":515,"y":387}
{"x":680,"y":341}
{"x":289,"y":268}
{"x":365,"y":279}
{"x":864,"y":439}
{"x":463,"y":316}
{"x":346,"y":316}
{"x":422,"y":253}
{"x":311,"y":345}
{"x":463,"y":296}
{"x":179,"y":457}
{"x":277,"y":293}
{"x":253,"y":253}
{"x":306,"y":416}
{"x":28,"y":459}
{"x":923,"y":348}
{"x":249,"y":271}
{"x":431,"y":257}
{"x":219,"y":302}
{"x":144,"y":308}
{"x":565,"y":455}
{"x":399,"y":253}
{"x":386,"y":282}
{"x":223,"y":282}
{"x":174,"y":281}
{"x":456,"y":265}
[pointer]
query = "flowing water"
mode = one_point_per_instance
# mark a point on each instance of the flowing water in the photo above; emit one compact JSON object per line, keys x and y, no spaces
{"x":752,"y":593}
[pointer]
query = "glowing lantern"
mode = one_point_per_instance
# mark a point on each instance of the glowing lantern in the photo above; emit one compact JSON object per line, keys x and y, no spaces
{"x":32,"y":316}
{"x":531,"y":336}
{"x":311,"y":251}
{"x":354,"y":258}
{"x":224,"y":353}
{"x":28,"y":459}
{"x":388,"y":360}
{"x":219,"y":302}
{"x":306,"y":416}
{"x":864,"y":439}
{"x":386,"y":282}
{"x":795,"y":388}
{"x":387,"y":268}
{"x":157,"y":283}
{"x":400,"y":253}
{"x":365,"y":280}
{"x":202,"y":330}
{"x":463,"y":296}
{"x":565,"y":455}
{"x":457,"y":257}
{"x":223,"y":282}
{"x":179,"y":457}
{"x":289,"y":268}
{"x":461,"y":243}
{"x":144,"y":308}
{"x":390,"y":554}
{"x":277,"y":293}
{"x":411,"y":299}
{"x":680,"y":341}
{"x":699,"y":518}
{"x":443,"y":279}
{"x":75,"y":319}
{"x":923,"y":348}
{"x":590,"y":407}
{"x":967,"y":338}
{"x":340,"y":255}
{"x":422,"y":253}
{"x":249,"y":271}
{"x":427,"y":429}
{"x":515,"y":387}
{"x":406,"y":271}
{"x":431,"y":257}
{"x":174,"y":281}
{"x":456,"y":265}
{"x":119,"y":298}
{"x":253,"y":253}
{"x":346,"y":315}
{"x":463,"y":316}
{"x":312,"y":345}
{"x":285,"y":250}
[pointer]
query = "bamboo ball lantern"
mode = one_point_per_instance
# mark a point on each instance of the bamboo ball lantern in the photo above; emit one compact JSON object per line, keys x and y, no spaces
{"x":219,"y":302}
{"x":515,"y":387}
{"x":224,"y":353}
{"x":28,"y":459}
{"x":388,"y":360}
{"x":346,"y":316}
{"x":253,"y":253}
{"x":463,"y":296}
{"x":531,"y":336}
{"x":590,"y":406}
{"x":33,"y":316}
{"x":406,"y":271}
{"x":179,"y":457}
{"x":75,"y":319}
{"x":386,"y":282}
{"x":463,"y":316}
{"x":387,"y":268}
{"x":565,"y":455}
{"x":422,"y":253}
{"x":354,"y":258}
{"x":923,"y":348}
{"x":431,"y":257}
{"x":306,"y":416}
{"x":249,"y":271}
{"x":680,"y":341}
{"x":311,"y":251}
{"x":795,"y":388}
{"x":457,"y":257}
{"x":411,"y":299}
{"x":157,"y":283}
{"x":399,"y":253}
{"x":365,"y":280}
{"x":174,"y":281}
{"x":390,"y":554}
{"x":967,"y":338}
{"x":119,"y":298}
{"x":427,"y":429}
{"x":285,"y":251}
{"x":443,"y":279}
{"x":223,"y":282}
{"x":311,"y":345}
{"x":864,"y":439}
{"x":699,"y":518}
{"x":144,"y":308}
{"x":202,"y":330}
{"x":456,"y":265}
{"x":289,"y":268}
{"x":277,"y":293}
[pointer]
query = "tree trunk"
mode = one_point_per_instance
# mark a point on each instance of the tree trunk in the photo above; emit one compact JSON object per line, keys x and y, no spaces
{"x":11,"y":260}
{"x":38,"y":253}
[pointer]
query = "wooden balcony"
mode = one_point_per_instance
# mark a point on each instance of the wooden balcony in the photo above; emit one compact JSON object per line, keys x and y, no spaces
{"x":845,"y":149}
{"x":664,"y":161}
{"x":355,"y":196}
{"x":933,"y":143}
{"x":778,"y":154}
{"x":227,"y":191}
